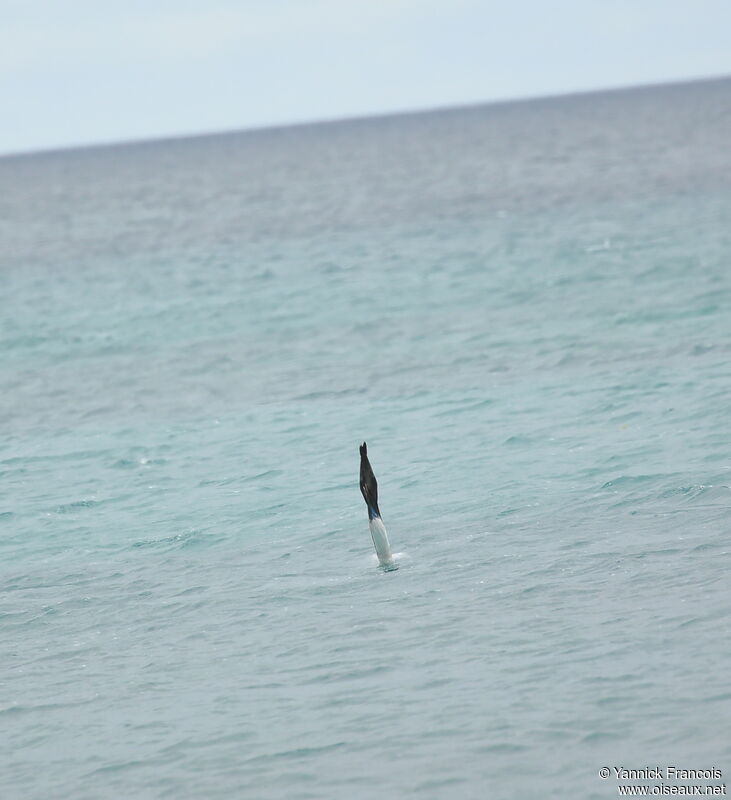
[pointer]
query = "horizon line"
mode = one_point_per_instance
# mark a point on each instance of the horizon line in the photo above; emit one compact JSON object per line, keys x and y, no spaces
{"x":356,"y":118}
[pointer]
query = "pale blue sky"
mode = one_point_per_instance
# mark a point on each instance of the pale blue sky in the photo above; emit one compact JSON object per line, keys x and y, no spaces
{"x":109,"y":70}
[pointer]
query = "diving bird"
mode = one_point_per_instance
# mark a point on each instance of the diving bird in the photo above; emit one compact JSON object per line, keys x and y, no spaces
{"x":369,"y":490}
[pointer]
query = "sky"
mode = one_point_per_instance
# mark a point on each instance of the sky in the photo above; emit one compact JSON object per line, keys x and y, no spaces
{"x":76,"y":72}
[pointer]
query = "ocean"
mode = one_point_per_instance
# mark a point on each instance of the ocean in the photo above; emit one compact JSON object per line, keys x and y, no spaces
{"x":525,"y":310}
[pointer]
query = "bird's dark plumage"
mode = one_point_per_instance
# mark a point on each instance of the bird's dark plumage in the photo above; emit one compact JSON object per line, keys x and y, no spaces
{"x":368,"y":484}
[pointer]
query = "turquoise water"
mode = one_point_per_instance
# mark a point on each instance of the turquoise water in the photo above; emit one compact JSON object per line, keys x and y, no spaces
{"x":523,"y":308}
